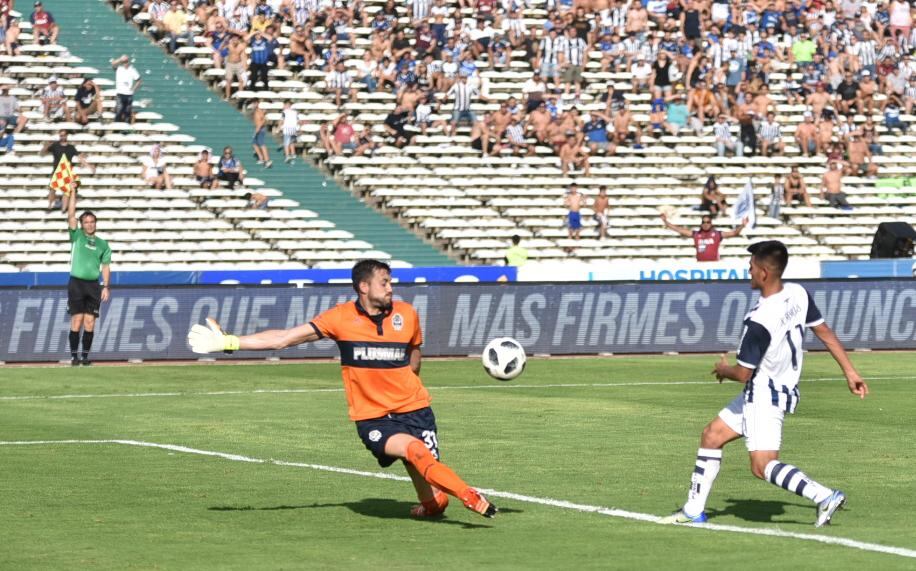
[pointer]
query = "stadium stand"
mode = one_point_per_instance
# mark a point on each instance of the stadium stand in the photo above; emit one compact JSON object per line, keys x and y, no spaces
{"x":471,"y":204}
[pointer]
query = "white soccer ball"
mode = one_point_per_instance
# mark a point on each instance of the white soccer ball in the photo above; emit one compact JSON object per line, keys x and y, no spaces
{"x":504,"y":358}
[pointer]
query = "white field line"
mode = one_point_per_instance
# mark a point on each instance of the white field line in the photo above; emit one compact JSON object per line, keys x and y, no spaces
{"x":613,"y":512}
{"x":482,"y":385}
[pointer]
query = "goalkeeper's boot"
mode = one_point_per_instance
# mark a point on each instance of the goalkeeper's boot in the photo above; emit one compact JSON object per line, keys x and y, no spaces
{"x":681,"y":517}
{"x":431,"y":508}
{"x":828,"y":507}
{"x":476,"y":502}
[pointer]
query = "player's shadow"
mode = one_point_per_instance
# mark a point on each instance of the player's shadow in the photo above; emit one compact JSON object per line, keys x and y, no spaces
{"x":757,"y":510}
{"x":382,"y":508}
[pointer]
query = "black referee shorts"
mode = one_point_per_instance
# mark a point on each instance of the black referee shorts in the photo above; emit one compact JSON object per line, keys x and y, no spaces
{"x":83,"y":296}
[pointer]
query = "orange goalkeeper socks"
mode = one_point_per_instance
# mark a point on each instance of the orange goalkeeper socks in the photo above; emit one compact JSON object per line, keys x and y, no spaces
{"x":435,"y":472}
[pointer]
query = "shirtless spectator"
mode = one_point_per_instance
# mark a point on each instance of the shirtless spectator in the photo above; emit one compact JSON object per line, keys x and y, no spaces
{"x":796,"y":189}
{"x":867,"y":90}
{"x":762,"y":102}
{"x":599,"y":207}
{"x":481,"y":138}
{"x":539,"y":123}
{"x":825,"y":131}
{"x":832,"y":187}
{"x":572,"y":155}
{"x":702,"y":102}
{"x":573,"y":204}
{"x":860,"y":158}
{"x":203,"y":171}
{"x":806,"y":136}
{"x":819,"y":99}
{"x":235,"y":65}
{"x":256,"y":200}
{"x":623,"y":120}
{"x":534,"y":90}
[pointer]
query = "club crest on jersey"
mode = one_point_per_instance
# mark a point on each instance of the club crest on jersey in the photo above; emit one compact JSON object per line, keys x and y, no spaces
{"x":397,"y":320}
{"x":375,"y":435}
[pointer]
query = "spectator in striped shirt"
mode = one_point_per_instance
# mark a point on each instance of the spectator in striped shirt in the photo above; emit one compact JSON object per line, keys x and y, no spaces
{"x":770,"y":136}
{"x":464,"y":95}
{"x":53,"y":102}
{"x":338,"y":82}
{"x":572,"y":61}
{"x":515,"y":137}
{"x":724,"y":140}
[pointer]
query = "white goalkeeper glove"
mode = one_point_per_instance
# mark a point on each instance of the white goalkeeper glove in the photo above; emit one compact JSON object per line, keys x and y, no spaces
{"x":211,"y":339}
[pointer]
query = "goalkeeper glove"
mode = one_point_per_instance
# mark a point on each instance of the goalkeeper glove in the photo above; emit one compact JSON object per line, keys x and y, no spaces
{"x":211,"y":339}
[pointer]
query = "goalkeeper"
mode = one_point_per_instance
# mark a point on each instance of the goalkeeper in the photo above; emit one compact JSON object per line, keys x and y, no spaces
{"x":379,"y":342}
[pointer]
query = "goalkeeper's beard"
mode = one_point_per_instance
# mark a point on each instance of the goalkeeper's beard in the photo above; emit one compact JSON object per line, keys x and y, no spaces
{"x":384,"y":304}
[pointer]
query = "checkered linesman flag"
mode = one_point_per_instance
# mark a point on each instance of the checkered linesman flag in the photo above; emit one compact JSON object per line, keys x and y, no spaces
{"x":63,"y":177}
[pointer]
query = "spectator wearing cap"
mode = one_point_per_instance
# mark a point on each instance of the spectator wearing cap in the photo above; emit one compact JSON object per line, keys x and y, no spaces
{"x":9,"y":109}
{"x":641,"y":73}
{"x":44,"y":28}
{"x":596,"y":133}
{"x":54,"y":102}
{"x":127,"y":81}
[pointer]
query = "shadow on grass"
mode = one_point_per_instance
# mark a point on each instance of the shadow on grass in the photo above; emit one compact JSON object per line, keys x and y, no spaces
{"x":372,"y":507}
{"x":758,"y":510}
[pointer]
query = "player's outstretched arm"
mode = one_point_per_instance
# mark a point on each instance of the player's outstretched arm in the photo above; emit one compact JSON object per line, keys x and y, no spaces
{"x":857,"y":385}
{"x":212,"y":339}
{"x":726,"y":372}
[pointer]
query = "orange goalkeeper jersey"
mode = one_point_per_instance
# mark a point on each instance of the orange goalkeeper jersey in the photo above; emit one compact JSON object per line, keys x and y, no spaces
{"x":374,"y":358}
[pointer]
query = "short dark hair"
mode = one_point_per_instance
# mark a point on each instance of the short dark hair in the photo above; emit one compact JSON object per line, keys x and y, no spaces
{"x":88,"y":213}
{"x":365,"y":269}
{"x":246,"y":196}
{"x":772,"y":253}
{"x":516,"y":239}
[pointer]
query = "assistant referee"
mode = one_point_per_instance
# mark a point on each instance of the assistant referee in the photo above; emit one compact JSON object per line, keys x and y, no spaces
{"x":89,"y":257}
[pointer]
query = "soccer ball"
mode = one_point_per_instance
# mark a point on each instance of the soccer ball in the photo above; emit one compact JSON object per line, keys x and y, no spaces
{"x":504,"y":358}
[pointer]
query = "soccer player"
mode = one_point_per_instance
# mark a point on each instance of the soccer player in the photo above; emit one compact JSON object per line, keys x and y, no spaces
{"x":379,"y":342}
{"x":769,"y":365}
{"x":89,"y":257}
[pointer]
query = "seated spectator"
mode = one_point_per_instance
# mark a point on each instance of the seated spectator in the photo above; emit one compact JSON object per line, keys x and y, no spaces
{"x":806,"y":136}
{"x":339,"y":83}
{"x":88,"y":101}
{"x":724,"y":139}
{"x":676,"y":117}
{"x":596,"y":133}
{"x":847,"y":94}
{"x":154,"y":169}
{"x":203,"y":171}
{"x":6,"y":139}
{"x":396,"y":127}
{"x":256,"y":200}
{"x":572,"y":155}
{"x":9,"y":39}
{"x":832,"y":187}
{"x":892,"y":117}
{"x":515,"y":137}
{"x":623,"y":120}
{"x":770,"y":136}
{"x":796,"y":189}
{"x":860,"y":158}
{"x":230,"y":169}
{"x":481,"y":137}
{"x":701,"y":102}
{"x":9,"y":109}
{"x":53,"y":102}
{"x":175,"y":26}
{"x":44,"y":28}
{"x":712,"y":200}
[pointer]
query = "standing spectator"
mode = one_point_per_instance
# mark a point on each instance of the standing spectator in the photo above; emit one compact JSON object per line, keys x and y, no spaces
{"x":339,"y":83}
{"x":44,"y":28}
{"x":832,"y":187}
{"x":599,"y":207}
{"x":796,"y":189}
{"x":154,"y":170}
{"x":88,"y":101}
{"x":90,"y":257}
{"x":62,"y":147}
{"x":259,"y":140}
{"x":534,"y":90}
{"x":290,"y":131}
{"x":516,"y":255}
{"x":573,"y":203}
{"x":203,"y":171}
{"x":548,"y":56}
{"x":724,"y":139}
{"x":770,"y":134}
{"x":7,"y":140}
{"x":777,"y":195}
{"x":230,"y":169}
{"x":127,"y":81}
{"x":464,"y":95}
{"x":259,"y":58}
{"x":235,"y":65}
{"x":572,"y":60}
{"x":707,"y":238}
{"x":54,"y":102}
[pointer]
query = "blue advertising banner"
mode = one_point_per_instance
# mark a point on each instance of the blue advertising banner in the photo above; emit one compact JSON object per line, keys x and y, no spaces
{"x":897,"y":268}
{"x":295,"y":277}
{"x":459,"y":319}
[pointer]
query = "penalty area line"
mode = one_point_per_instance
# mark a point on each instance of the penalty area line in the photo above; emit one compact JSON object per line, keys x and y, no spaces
{"x":433,"y":388}
{"x":562,"y":504}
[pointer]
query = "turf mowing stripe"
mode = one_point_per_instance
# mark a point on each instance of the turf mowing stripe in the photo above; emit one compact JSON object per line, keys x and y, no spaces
{"x":613,"y":512}
{"x":432,"y":388}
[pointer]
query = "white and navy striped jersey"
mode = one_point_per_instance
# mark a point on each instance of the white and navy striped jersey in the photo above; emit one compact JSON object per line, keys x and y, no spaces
{"x":464,"y":94}
{"x":722,"y":131}
{"x":550,"y":49}
{"x":290,"y":122}
{"x":769,"y":131}
{"x":516,"y":133}
{"x":771,"y":345}
{"x":865,"y":51}
{"x":338,"y":80}
{"x":420,"y":9}
{"x":573,"y":50}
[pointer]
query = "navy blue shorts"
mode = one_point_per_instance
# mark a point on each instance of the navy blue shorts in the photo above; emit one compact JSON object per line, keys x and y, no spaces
{"x":375,"y":432}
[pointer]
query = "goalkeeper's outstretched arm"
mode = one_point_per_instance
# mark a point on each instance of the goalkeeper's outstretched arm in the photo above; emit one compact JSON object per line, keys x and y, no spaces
{"x":212,"y":339}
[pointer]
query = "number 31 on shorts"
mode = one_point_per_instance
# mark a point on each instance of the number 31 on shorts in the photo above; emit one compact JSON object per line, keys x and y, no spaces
{"x":429,"y":438}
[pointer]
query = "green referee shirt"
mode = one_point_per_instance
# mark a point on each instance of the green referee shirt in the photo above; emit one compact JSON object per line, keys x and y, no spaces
{"x":87,"y":255}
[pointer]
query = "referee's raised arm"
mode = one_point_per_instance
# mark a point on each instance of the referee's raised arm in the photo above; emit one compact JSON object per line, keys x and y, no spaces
{"x":71,"y":209}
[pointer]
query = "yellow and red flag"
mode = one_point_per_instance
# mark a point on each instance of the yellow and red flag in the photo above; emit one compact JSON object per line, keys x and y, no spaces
{"x":63,"y":178}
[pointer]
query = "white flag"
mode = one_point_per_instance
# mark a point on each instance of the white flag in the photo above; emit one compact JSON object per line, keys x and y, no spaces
{"x":745,"y":207}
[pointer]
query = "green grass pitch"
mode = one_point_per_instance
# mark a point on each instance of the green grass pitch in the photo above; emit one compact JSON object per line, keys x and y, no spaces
{"x":629,"y":445}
